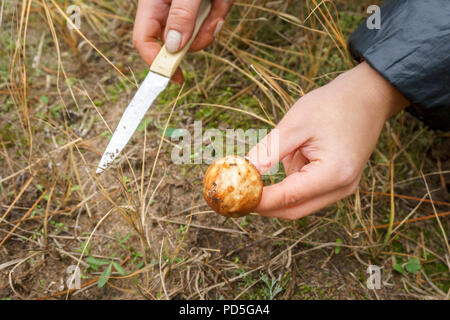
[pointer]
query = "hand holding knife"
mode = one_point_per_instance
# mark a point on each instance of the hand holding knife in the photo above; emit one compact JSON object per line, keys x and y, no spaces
{"x":161,"y":70}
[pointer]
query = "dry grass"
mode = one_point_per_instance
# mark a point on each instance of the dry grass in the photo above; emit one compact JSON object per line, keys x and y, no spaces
{"x":61,"y":93}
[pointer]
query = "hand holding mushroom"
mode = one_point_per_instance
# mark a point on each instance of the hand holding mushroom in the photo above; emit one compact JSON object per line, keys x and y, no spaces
{"x":325,"y":140}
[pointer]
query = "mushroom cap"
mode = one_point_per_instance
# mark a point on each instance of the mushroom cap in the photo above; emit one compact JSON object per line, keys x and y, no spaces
{"x":232,"y":186}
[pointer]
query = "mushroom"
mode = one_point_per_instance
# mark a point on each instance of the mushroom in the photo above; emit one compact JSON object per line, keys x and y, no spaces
{"x":232,"y":186}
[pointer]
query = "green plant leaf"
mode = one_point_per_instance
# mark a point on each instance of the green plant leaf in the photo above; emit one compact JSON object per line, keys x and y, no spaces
{"x":75,"y":188}
{"x":124,"y":239}
{"x":398,"y":267}
{"x":143,"y":125}
{"x":84,"y":248}
{"x":96,"y":262}
{"x":119,"y":269}
{"x":169,"y":132}
{"x":277,"y":290}
{"x":44,"y":99}
{"x":104,"y":277}
{"x":172,"y":132}
{"x":265,"y":279}
{"x":413,"y":266}
{"x":338,"y":249}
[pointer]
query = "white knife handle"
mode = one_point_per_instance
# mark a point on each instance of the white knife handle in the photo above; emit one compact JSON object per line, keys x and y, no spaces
{"x":166,"y":63}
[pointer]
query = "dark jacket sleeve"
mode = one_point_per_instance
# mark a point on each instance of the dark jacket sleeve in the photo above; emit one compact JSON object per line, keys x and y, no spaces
{"x":412,"y":51}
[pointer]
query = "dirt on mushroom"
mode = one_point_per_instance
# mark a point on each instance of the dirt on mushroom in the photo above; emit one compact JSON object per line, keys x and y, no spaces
{"x":232,"y":186}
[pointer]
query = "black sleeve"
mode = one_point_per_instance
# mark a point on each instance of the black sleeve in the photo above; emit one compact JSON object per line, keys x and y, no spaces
{"x":412,"y":51}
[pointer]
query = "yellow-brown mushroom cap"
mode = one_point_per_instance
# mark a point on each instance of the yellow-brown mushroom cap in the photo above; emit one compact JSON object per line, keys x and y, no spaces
{"x":232,"y":186}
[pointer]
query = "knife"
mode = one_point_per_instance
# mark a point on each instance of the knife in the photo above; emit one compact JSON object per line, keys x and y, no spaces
{"x":161,"y":70}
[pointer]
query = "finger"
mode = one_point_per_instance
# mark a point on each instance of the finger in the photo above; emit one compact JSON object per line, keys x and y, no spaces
{"x":310,"y":206}
{"x":314,"y":179}
{"x":178,"y":76}
{"x":269,"y":151}
{"x":180,"y":23}
{"x":150,"y":18}
{"x":287,"y":162}
{"x":294,"y":162}
{"x":212,"y":25}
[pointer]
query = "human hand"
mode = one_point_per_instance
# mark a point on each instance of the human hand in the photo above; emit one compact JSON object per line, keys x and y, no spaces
{"x":325,"y":141}
{"x":173,"y":22}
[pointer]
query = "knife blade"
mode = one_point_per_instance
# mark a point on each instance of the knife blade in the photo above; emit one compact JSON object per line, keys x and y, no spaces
{"x":161,"y":70}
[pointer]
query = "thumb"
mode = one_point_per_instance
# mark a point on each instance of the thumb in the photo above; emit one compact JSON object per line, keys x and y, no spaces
{"x":180,"y":23}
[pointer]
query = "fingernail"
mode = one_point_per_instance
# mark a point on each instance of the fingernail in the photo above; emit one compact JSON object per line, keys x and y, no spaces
{"x":218,"y":28}
{"x":173,"y":41}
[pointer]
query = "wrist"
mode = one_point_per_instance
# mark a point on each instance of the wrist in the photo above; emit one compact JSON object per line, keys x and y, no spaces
{"x":379,"y":92}
{"x":368,"y":89}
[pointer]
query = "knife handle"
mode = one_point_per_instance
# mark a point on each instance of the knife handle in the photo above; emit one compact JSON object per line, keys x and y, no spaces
{"x":166,"y":63}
